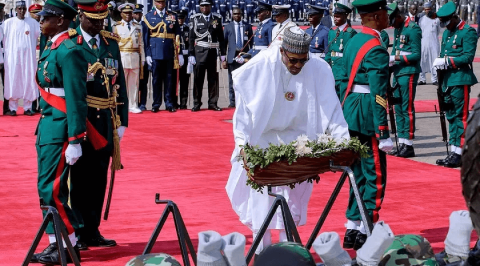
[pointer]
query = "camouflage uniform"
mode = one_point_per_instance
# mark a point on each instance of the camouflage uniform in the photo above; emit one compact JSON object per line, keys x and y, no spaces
{"x":285,"y":253}
{"x":158,"y":259}
{"x":409,"y":250}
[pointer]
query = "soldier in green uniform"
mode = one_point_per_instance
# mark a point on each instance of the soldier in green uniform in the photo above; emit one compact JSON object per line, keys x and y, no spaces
{"x":459,"y":44}
{"x":61,"y":72}
{"x":337,"y":39}
{"x":366,"y":64}
{"x":107,"y":112}
{"x":385,"y":39}
{"x":405,"y":61}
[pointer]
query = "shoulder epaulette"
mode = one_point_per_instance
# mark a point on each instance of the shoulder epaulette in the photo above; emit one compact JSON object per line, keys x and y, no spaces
{"x":110,"y":35}
{"x":69,"y":43}
{"x":119,"y":23}
{"x":196,"y":15}
{"x":216,"y":15}
{"x":72,"y":33}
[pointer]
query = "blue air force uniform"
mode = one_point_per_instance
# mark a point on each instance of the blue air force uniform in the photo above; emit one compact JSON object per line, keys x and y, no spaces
{"x":160,"y":29}
{"x":262,"y":37}
{"x":250,"y":11}
{"x":319,"y":34}
{"x":222,"y":9}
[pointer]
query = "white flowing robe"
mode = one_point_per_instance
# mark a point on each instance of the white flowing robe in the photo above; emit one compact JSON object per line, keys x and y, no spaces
{"x":263,"y":113}
{"x":430,"y":43}
{"x":19,"y":44}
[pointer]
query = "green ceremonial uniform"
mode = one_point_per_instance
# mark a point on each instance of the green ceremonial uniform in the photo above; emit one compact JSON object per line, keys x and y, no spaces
{"x":407,"y":44}
{"x":89,"y":174}
{"x":367,"y":120}
{"x":62,"y":71}
{"x":337,"y":39}
{"x":458,"y":48}
{"x":385,"y":39}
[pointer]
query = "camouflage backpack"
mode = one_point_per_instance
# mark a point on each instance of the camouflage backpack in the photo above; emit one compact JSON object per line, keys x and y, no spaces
{"x":158,"y":259}
{"x":409,"y":250}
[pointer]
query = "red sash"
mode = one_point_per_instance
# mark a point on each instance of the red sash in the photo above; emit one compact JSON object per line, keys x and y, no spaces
{"x":356,"y":63}
{"x":96,"y":139}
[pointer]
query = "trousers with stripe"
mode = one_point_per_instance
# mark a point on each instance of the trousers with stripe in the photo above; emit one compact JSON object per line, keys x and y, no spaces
{"x":53,"y":184}
{"x":371,"y":177}
{"x":458,"y":98}
{"x":405,"y":110}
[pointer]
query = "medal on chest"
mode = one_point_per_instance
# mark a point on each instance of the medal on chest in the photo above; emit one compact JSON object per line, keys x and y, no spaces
{"x":27,"y":32}
{"x":45,"y":73}
{"x":289,"y":96}
{"x":316,"y":42}
{"x":341,"y":44}
{"x":214,"y":24}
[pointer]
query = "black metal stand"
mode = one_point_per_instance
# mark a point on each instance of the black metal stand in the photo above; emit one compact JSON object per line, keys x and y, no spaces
{"x":290,"y":227}
{"x":361,"y":205}
{"x":182,"y":234}
{"x":60,"y":231}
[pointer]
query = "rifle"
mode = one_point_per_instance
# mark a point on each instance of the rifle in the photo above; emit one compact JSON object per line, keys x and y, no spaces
{"x":391,"y":102}
{"x":442,"y":106}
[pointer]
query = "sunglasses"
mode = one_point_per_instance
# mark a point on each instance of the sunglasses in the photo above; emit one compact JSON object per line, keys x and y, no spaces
{"x":295,"y":61}
{"x":239,"y":14}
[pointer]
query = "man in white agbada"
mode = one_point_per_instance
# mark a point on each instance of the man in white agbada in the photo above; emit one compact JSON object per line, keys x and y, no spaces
{"x":281,"y":93}
{"x":281,"y":15}
{"x":430,"y":26}
{"x":19,"y":42}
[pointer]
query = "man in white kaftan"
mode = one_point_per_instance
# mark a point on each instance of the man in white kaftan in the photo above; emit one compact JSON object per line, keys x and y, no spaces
{"x":19,"y":42}
{"x":266,"y":112}
{"x":281,"y":14}
{"x":430,"y":26}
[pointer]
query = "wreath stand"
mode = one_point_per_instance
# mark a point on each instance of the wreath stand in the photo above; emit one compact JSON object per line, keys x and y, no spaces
{"x":183,"y":237}
{"x":60,"y":234}
{"x":290,"y":227}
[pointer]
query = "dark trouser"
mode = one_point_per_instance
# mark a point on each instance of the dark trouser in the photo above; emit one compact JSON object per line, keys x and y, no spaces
{"x":231,"y":93}
{"x":5,"y":101}
{"x":478,"y":20}
{"x":184,"y":80}
{"x":53,"y":172}
{"x":143,"y":86}
{"x":88,"y":185}
{"x":162,"y":75}
{"x":210,"y":66}
{"x":371,"y":176}
{"x":405,"y":110}
{"x":458,"y":99}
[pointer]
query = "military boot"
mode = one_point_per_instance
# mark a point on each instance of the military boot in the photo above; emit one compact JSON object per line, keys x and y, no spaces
{"x":442,"y":161}
{"x":349,"y":239}
{"x":48,"y":250}
{"x":398,"y":150}
{"x":407,"y":152}
{"x":454,"y":161}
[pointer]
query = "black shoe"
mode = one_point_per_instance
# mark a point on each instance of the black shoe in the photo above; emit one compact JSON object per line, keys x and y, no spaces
{"x":435,"y":83}
{"x":13,"y":113}
{"x":100,"y":242}
{"x":349,"y":239}
{"x":81,"y":245}
{"x":28,"y":112}
{"x":182,"y":107}
{"x":214,"y":108}
{"x":54,"y":259}
{"x":407,"y":152}
{"x":171,"y":109}
{"x":48,"y":250}
{"x":142,"y":107}
{"x":196,"y":108}
{"x":359,"y":241}
{"x":454,"y":161}
{"x":154,"y":109}
{"x":442,"y":161}
{"x":7,"y":112}
{"x":421,"y":83}
{"x":397,"y":151}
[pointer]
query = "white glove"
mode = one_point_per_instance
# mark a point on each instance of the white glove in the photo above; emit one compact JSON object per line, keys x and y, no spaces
{"x":180,"y":60}
{"x":240,"y":60}
{"x":439,"y":63}
{"x":73,"y":152}
{"x":189,"y":68}
{"x":392,"y":58}
{"x":222,"y":58}
{"x":191,"y":60}
{"x":121,"y":131}
{"x":386,"y":145}
{"x":149,"y":61}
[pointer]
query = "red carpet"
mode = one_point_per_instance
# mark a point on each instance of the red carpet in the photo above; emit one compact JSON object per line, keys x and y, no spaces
{"x":185,"y":157}
{"x":424,"y":106}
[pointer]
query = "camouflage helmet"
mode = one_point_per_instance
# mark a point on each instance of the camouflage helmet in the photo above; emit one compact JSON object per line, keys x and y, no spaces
{"x":285,"y":254}
{"x":155,"y":259}
{"x":409,"y":250}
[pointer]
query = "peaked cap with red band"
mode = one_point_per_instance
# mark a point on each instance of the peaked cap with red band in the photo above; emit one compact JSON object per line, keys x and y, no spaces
{"x":97,"y":9}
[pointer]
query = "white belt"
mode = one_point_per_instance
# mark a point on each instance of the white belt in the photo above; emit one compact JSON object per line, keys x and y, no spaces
{"x":185,"y":52}
{"x":357,"y":88}
{"x":208,"y":44}
{"x":222,"y":5}
{"x":56,"y":91}
{"x":259,"y":47}
{"x":249,"y":5}
{"x":405,"y":53}
{"x":337,"y":54}
{"x":321,"y":55}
